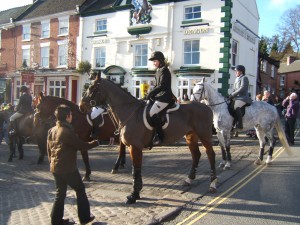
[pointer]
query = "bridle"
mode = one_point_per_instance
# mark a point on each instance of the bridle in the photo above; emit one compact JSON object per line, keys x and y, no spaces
{"x":201,"y":94}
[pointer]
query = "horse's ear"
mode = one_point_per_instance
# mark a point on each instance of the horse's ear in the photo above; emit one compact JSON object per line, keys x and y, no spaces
{"x":40,"y":96}
{"x":98,"y":75}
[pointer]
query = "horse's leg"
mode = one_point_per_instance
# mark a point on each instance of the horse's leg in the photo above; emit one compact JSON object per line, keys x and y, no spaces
{"x":262,"y":142}
{"x":227,"y":137}
{"x":272,"y":142}
{"x":42,"y":145}
{"x":20,"y":147}
{"x":12,"y":148}
{"x":211,"y":155}
{"x":136,"y":155}
{"x":121,"y":158}
{"x":222,"y":146}
{"x":192,"y":142}
{"x":86,"y":161}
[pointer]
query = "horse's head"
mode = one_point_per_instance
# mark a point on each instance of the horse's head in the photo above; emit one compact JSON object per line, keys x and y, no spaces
{"x":198,"y":92}
{"x":92,"y":97}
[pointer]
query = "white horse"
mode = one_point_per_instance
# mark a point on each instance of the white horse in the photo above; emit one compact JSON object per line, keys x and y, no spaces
{"x":260,"y":115}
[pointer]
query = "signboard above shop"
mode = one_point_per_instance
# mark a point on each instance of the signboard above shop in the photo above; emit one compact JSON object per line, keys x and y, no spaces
{"x":27,"y":77}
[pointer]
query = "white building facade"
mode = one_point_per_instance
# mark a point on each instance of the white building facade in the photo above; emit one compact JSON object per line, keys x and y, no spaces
{"x":199,"y":38}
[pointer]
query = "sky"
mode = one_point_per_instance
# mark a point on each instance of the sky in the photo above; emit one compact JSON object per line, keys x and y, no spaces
{"x":270,"y":12}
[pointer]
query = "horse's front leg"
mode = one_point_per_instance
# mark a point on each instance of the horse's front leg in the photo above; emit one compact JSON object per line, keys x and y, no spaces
{"x":20,"y":143}
{"x":85,"y":158}
{"x":121,"y":160}
{"x":136,"y":155}
{"x":192,"y":142}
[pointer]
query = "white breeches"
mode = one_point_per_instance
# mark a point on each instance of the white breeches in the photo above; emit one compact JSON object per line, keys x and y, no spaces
{"x":157,"y":107}
{"x":15,"y":116}
{"x":239,"y":104}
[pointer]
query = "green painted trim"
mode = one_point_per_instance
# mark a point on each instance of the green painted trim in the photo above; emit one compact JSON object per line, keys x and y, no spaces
{"x":228,"y":14}
{"x":225,"y":19}
{"x":142,"y":72}
{"x":226,"y":9}
{"x":223,"y":60}
{"x":224,"y":70}
{"x":223,"y":91}
{"x":192,"y":21}
{"x":107,"y":69}
{"x":193,"y":75}
{"x":195,"y":70}
{"x":224,"y":50}
{"x":226,"y":55}
{"x":227,"y":44}
{"x":225,"y":39}
{"x":225,"y":29}
{"x":139,"y":30}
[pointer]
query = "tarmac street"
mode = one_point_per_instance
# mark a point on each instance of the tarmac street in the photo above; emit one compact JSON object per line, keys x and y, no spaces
{"x":27,"y":189}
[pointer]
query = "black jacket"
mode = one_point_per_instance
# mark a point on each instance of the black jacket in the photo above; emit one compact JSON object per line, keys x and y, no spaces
{"x":162,"y":90}
{"x":25,"y":104}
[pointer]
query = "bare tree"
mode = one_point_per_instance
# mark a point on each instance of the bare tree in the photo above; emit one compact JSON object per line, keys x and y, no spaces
{"x":289,"y":28}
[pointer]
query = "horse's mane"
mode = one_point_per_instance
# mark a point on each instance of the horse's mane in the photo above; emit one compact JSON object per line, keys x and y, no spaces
{"x":123,"y":90}
{"x":59,"y":101}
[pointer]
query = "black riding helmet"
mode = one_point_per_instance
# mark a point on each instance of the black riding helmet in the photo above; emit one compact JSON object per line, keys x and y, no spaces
{"x":157,"y":56}
{"x":240,"y":68}
{"x":23,"y":89}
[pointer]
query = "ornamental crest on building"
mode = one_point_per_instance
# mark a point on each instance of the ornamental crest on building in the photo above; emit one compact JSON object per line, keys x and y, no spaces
{"x":140,"y":14}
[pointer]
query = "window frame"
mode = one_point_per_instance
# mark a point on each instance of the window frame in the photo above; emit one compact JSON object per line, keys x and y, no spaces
{"x":62,"y":53}
{"x":45,"y":24}
{"x":101,"y":57}
{"x":55,"y":89}
{"x":101,"y":25}
{"x":141,"y":57}
{"x":192,"y":13}
{"x":63,"y":26}
{"x":191,"y":53}
{"x":234,"y":53}
{"x":45,"y":57}
{"x":26,"y":32}
{"x":26,"y":48}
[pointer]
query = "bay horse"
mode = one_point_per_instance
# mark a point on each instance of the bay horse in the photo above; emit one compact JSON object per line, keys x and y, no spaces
{"x":260,"y":115}
{"x":45,"y":112}
{"x":192,"y":120}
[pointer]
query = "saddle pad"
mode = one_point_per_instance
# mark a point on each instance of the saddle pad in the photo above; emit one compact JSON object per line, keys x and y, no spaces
{"x":146,"y":122}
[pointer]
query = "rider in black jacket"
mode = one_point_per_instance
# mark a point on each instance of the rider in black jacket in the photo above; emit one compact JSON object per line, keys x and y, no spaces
{"x":161,"y":94}
{"x":23,"y":107}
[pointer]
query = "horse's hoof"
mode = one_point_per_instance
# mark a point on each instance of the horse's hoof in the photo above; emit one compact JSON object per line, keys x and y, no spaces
{"x":114,"y":171}
{"x":187,"y":182}
{"x":131,"y":199}
{"x":222,"y":164}
{"x":227,"y":166}
{"x":258,"y":162}
{"x":269,"y":160}
{"x":212,"y":190}
{"x":9,"y":159}
{"x":86,"y":178}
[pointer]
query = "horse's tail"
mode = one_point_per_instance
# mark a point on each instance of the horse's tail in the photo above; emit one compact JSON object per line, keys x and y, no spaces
{"x":281,"y":135}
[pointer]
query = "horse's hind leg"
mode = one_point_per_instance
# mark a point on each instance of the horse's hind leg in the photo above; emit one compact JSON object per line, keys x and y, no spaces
{"x":262,"y":142}
{"x":272,"y":142}
{"x":192,"y":142}
{"x":20,"y":147}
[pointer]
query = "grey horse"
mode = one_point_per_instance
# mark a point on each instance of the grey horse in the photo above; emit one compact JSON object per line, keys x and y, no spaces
{"x":260,"y":115}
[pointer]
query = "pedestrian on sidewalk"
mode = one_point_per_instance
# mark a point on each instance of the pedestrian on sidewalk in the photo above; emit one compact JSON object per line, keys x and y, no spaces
{"x":291,"y":116}
{"x":62,"y":146}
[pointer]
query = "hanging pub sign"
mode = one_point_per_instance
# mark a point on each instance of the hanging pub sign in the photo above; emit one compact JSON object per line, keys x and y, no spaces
{"x":27,"y":77}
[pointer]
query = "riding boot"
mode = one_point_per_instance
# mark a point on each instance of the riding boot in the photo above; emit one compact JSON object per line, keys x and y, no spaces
{"x":239,"y":123}
{"x":159,"y":135}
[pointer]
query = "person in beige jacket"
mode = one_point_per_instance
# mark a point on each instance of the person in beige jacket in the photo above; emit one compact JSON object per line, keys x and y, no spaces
{"x":62,"y":147}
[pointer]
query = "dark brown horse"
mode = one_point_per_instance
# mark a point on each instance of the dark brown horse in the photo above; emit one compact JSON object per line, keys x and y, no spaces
{"x":193,"y":120}
{"x":45,"y":112}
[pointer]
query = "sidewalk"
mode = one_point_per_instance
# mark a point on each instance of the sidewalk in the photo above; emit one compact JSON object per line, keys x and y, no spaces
{"x":27,"y":190}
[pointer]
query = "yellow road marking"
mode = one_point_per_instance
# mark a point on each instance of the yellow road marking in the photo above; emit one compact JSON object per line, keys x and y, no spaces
{"x":204,"y":210}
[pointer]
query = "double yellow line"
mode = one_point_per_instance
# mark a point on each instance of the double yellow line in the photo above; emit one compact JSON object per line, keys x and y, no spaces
{"x":204,"y":210}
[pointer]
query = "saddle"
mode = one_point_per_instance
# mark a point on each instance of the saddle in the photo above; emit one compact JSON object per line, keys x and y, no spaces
{"x":162,"y":115}
{"x":232,"y":111}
